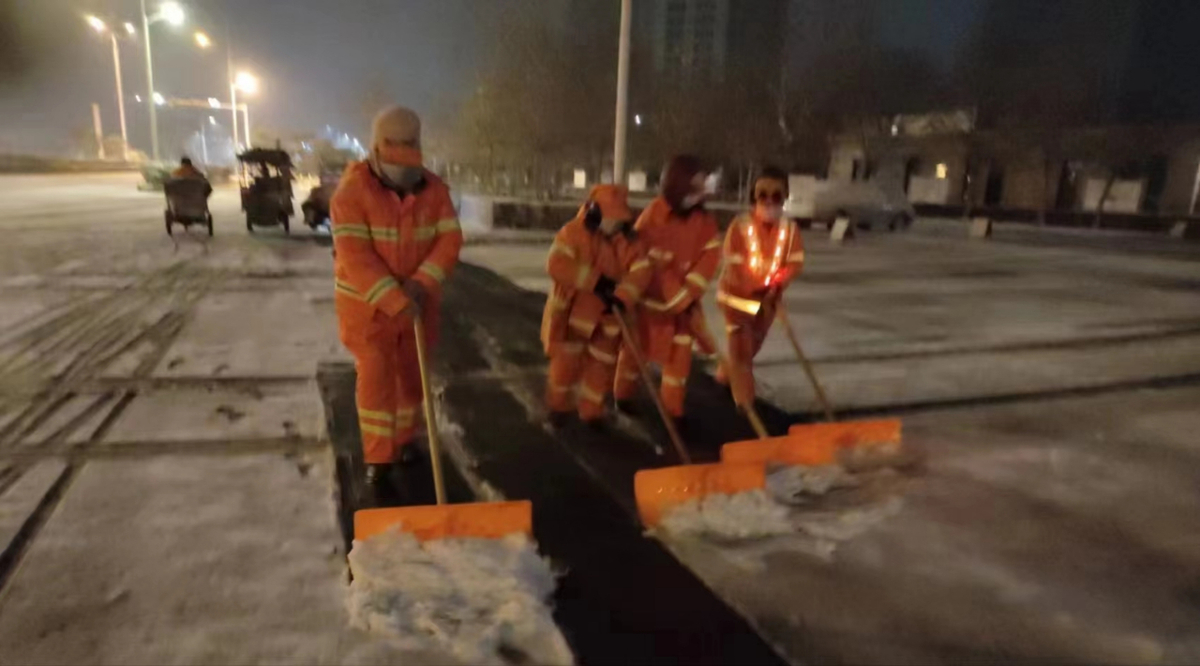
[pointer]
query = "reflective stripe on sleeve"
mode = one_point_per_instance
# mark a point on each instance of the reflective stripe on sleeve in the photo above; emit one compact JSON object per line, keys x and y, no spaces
{"x":370,"y":429}
{"x":380,"y":289}
{"x":563,"y":249}
{"x":682,"y":339}
{"x":433,"y":270}
{"x":796,"y":256}
{"x":603,"y":357}
{"x":639,"y":265}
{"x":424,"y":233}
{"x":448,"y":225}
{"x":735,"y":259}
{"x":582,"y":275}
{"x":698,"y":280}
{"x":713,"y":244}
{"x":351,"y":230}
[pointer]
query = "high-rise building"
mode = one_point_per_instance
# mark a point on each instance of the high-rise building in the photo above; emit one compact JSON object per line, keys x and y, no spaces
{"x":712,"y":39}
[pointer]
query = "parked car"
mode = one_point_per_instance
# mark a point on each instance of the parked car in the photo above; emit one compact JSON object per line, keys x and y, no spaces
{"x":868,"y":204}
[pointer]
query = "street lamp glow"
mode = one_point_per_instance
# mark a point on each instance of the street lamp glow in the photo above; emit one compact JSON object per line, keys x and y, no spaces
{"x":130,"y":29}
{"x":637,"y":119}
{"x":246,"y":82}
{"x":202,"y":40}
{"x":214,"y":102}
{"x":96,"y":24}
{"x":171,"y":12}
{"x":159,"y":99}
{"x":137,"y":98}
{"x":212,"y":121}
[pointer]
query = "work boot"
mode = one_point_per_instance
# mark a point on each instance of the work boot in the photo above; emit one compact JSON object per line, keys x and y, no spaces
{"x":680,"y":427}
{"x":627,"y":407}
{"x":409,"y":455}
{"x":380,"y":489}
{"x":558,"y":420}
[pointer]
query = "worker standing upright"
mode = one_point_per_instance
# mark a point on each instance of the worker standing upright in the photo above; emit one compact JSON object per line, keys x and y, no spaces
{"x":599,"y":270}
{"x":396,"y":238}
{"x":684,"y":249}
{"x":763,"y":251}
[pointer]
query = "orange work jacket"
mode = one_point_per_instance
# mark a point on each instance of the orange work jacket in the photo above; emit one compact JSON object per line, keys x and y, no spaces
{"x":577,"y":259}
{"x":381,"y":240}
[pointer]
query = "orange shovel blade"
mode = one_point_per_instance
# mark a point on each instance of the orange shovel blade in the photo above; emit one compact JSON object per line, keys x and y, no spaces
{"x":488,"y":520}
{"x":788,"y":450}
{"x":659,"y":490}
{"x":850,"y":434}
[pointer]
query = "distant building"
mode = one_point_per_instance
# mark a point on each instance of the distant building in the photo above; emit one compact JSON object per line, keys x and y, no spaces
{"x":713,"y":39}
{"x":944,"y":159}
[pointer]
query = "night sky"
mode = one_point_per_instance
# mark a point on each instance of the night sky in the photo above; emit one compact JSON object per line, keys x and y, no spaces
{"x":318,"y":60}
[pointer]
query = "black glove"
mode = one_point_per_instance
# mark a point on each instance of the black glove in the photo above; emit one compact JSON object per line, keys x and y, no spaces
{"x":605,"y":288}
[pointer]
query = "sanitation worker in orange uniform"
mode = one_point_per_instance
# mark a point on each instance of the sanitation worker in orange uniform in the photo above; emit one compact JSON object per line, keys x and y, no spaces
{"x":684,"y":249}
{"x":763,"y":251}
{"x":600,"y":270}
{"x":396,"y":238}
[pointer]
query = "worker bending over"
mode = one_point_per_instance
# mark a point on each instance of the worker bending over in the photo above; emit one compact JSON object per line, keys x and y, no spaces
{"x":682,"y":242}
{"x":599,"y":271}
{"x":396,"y":238}
{"x":763,"y":251}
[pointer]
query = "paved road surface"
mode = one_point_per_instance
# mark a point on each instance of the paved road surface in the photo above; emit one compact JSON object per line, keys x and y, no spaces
{"x":165,"y":491}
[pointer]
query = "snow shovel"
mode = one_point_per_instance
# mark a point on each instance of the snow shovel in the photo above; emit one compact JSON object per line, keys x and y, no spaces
{"x":821,"y":444}
{"x":644,"y":372}
{"x":657,"y":491}
{"x":781,"y":314}
{"x":479,"y":519}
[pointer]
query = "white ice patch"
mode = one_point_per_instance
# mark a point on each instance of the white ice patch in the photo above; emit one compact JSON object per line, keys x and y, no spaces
{"x":747,"y":515}
{"x":798,"y":484}
{"x":477,"y":599}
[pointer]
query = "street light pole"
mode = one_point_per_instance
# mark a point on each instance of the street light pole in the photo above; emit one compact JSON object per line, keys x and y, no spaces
{"x":246,"y":110}
{"x":150,"y":84}
{"x":120,"y":97}
{"x":234,"y":110}
{"x":622,"y":94}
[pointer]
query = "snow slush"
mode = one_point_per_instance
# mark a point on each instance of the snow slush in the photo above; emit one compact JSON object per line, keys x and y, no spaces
{"x":475,"y":599}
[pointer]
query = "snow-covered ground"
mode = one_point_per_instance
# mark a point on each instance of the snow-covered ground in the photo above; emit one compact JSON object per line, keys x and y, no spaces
{"x":168,"y":500}
{"x":1050,"y":388}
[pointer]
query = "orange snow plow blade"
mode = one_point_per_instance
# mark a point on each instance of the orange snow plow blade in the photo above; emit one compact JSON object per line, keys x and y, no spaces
{"x":852,"y":434}
{"x":486,"y":520}
{"x":789,"y":450}
{"x":814,"y":444}
{"x":659,"y":490}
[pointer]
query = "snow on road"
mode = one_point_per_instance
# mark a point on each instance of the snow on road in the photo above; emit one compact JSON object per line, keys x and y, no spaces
{"x":479,"y":600}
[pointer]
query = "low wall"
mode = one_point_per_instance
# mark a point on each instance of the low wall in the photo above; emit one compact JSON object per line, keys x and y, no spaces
{"x":548,"y":215}
{"x":32,"y":164}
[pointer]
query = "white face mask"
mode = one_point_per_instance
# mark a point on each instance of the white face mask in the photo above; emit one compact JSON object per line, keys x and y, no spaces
{"x":609,"y":227}
{"x":770,"y":212}
{"x":692,"y":200}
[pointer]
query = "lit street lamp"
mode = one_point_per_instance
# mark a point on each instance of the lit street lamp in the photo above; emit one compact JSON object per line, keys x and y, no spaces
{"x":100,"y":27}
{"x":248,"y":84}
{"x":172,"y":13}
{"x":202,"y":40}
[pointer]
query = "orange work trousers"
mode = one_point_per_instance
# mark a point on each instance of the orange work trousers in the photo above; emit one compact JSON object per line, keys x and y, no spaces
{"x":745,"y":335}
{"x":582,"y":369}
{"x":667,"y":341}
{"x":388,"y":388}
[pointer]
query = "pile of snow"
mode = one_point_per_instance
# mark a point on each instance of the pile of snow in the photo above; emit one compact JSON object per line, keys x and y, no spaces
{"x":747,"y":515}
{"x":477,"y":599}
{"x":798,"y":484}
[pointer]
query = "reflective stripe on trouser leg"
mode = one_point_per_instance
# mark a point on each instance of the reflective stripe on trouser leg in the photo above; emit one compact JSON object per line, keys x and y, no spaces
{"x":566,"y":363}
{"x":599,"y":366}
{"x":375,"y":395}
{"x":628,"y":376}
{"x":408,"y":391}
{"x":674,"y":379}
{"x":742,"y":349}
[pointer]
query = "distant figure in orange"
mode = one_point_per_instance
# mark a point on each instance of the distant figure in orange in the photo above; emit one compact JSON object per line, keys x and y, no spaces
{"x":763,"y":251}
{"x":683,"y":243}
{"x":599,"y":270}
{"x":396,"y":238}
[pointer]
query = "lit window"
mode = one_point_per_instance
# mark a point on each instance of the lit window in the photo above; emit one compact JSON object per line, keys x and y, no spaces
{"x":941,"y":171}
